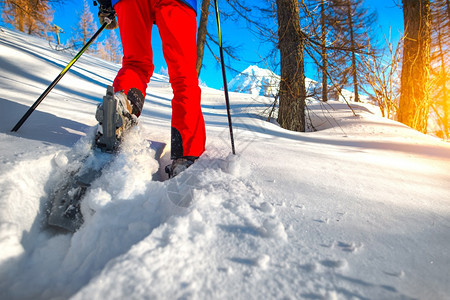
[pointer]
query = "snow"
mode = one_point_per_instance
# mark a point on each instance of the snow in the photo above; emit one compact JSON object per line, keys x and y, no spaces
{"x":256,"y":81}
{"x":263,"y":82}
{"x":359,"y":209}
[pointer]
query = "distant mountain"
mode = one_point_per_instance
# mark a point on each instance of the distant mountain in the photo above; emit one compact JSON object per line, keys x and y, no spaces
{"x":256,"y":81}
{"x":263,"y":82}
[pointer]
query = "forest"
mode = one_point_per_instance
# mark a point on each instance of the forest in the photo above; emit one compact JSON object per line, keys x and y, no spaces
{"x":406,"y":78}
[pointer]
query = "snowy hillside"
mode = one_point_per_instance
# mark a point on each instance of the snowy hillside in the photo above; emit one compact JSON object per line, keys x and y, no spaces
{"x":359,"y":209}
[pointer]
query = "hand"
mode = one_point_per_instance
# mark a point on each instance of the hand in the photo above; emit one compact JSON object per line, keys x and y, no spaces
{"x":107,"y":14}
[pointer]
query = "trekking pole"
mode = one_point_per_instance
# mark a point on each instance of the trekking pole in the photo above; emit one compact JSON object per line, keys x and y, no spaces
{"x":57,"y":79}
{"x":225,"y":84}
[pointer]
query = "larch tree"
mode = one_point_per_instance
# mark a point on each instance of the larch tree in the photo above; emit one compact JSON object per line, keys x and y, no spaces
{"x":30,"y":16}
{"x":382,"y":77}
{"x":353,"y":25}
{"x":323,"y":44}
{"x":86,"y":28}
{"x":112,"y":47}
{"x":440,"y":56}
{"x":321,"y":40}
{"x":292,"y":95}
{"x":101,"y":51}
{"x":415,"y":78}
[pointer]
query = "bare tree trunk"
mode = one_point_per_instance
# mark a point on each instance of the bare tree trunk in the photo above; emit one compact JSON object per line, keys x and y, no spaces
{"x":201,"y":34}
{"x":448,"y":9}
{"x":291,"y":113}
{"x":414,"y":98}
{"x":324,"y":53}
{"x":444,"y":96}
{"x":353,"y":49}
{"x":442,"y":77}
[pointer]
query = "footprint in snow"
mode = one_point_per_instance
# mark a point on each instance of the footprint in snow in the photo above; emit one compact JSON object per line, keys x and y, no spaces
{"x":334,"y":264}
{"x":349,"y":247}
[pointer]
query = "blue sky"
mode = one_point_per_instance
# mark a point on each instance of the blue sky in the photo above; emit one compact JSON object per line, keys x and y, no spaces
{"x":389,"y":15}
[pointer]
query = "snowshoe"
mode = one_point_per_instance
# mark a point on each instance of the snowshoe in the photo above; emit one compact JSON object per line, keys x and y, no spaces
{"x":115,"y":116}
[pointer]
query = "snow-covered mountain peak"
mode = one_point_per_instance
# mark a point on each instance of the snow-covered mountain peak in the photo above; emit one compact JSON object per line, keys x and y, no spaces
{"x":256,"y":81}
{"x":258,"y":72}
{"x":263,"y":82}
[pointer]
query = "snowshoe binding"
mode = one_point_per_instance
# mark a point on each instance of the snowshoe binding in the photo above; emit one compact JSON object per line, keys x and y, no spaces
{"x":116,"y":114}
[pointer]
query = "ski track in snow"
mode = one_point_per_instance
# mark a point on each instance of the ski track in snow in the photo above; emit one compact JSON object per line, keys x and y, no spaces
{"x":359,"y":209}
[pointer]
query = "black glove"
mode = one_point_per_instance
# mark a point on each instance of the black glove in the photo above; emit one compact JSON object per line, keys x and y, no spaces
{"x":107,"y":14}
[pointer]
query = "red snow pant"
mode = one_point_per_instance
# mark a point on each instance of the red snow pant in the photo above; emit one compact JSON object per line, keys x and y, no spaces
{"x":177,"y":26}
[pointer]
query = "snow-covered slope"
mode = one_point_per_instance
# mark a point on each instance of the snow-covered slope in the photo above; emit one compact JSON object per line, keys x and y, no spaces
{"x":359,"y":209}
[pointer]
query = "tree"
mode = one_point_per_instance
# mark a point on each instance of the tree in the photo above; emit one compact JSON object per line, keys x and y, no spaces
{"x":85,"y":29}
{"x":291,"y":114}
{"x":112,"y":46}
{"x":109,"y":49}
{"x":101,"y":51}
{"x":323,"y":43}
{"x":414,"y":94}
{"x":30,"y":16}
{"x":352,"y":26}
{"x":204,"y":35}
{"x":336,"y":35}
{"x":381,"y":75}
{"x":440,"y":53}
{"x":201,"y":34}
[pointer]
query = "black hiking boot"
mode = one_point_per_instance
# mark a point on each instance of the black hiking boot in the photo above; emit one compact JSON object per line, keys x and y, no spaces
{"x":179,"y":165}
